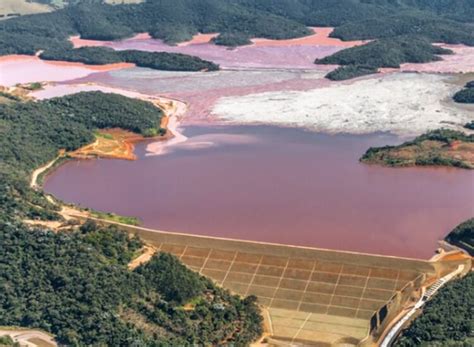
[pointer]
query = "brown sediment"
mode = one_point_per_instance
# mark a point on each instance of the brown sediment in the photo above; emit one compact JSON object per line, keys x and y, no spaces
{"x":54,"y":225}
{"x":112,"y":143}
{"x":320,"y":37}
{"x":105,"y":67}
{"x":199,"y":38}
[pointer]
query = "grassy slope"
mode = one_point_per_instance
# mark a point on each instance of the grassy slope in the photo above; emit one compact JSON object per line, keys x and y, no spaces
{"x":463,"y":236}
{"x":22,"y":7}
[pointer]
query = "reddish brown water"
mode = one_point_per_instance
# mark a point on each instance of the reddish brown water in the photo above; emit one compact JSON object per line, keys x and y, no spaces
{"x":277,"y":185}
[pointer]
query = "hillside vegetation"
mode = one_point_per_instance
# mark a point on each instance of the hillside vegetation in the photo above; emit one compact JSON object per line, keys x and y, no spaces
{"x":447,"y":320}
{"x":385,"y":52}
{"x":403,"y":30}
{"x":463,"y":236}
{"x":75,"y":283}
{"x":440,"y":147}
{"x":465,"y":95}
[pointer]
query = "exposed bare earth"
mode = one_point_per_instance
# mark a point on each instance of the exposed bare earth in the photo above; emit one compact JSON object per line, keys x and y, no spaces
{"x":110,"y":143}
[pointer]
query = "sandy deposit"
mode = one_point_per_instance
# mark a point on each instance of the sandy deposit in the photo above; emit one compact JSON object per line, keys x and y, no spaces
{"x":401,"y":103}
{"x":25,"y":69}
{"x":201,"y":90}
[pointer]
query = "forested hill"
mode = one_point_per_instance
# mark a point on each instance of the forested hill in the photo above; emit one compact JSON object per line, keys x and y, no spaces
{"x":446,"y":320}
{"x":75,"y":283}
{"x":402,"y":25}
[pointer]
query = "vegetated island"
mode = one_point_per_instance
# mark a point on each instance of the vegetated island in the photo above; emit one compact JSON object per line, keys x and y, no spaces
{"x":75,"y":283}
{"x":469,"y":125}
{"x":382,"y":53}
{"x":466,"y":96}
{"x":403,"y":30}
{"x":440,"y":147}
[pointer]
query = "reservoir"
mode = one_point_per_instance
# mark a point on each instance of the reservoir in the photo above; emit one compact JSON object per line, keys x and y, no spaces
{"x":281,"y":185}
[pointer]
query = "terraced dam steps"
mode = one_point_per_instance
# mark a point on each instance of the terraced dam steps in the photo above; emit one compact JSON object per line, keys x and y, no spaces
{"x":312,"y":297}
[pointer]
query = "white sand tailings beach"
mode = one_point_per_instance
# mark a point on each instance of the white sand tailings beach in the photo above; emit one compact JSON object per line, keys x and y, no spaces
{"x":402,"y":103}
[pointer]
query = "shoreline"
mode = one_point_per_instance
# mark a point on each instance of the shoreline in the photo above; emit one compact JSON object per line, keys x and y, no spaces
{"x":173,"y":111}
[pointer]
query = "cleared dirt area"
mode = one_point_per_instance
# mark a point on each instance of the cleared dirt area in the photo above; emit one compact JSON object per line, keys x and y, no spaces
{"x":110,"y":143}
{"x":145,"y":255}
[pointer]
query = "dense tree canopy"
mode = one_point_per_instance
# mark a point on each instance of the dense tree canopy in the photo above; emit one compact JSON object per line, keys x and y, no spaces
{"x":447,"y":320}
{"x":463,"y":236}
{"x":465,"y":95}
{"x":386,"y":52}
{"x":76,"y":285}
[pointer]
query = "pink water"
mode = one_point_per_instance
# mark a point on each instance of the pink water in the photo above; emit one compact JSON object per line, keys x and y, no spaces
{"x":25,"y":69}
{"x":277,"y":185}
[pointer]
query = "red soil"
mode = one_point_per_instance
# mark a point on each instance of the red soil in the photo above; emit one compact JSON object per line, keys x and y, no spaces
{"x":320,"y":37}
{"x":199,"y":38}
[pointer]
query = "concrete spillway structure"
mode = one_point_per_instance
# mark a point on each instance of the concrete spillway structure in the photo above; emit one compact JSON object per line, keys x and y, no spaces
{"x":312,"y":297}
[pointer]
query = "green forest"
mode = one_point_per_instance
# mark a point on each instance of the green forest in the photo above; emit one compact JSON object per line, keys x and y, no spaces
{"x":385,"y":52}
{"x":75,"y":283}
{"x":346,"y":72}
{"x":463,"y":236}
{"x":403,"y":30}
{"x":152,"y":60}
{"x":447,"y":320}
{"x":465,"y":95}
